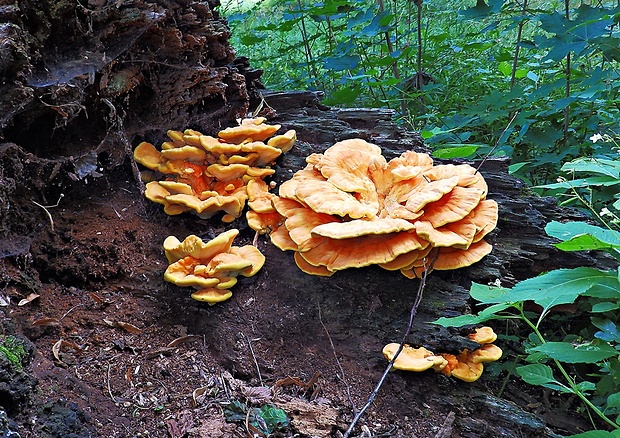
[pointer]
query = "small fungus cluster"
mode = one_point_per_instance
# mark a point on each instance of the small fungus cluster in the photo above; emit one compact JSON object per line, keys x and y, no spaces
{"x":467,"y":365}
{"x":205,"y":174}
{"x":210,"y":267}
{"x":350,"y":207}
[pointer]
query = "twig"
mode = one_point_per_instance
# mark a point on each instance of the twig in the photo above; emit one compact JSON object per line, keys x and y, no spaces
{"x":373,"y":394}
{"x":337,"y":362}
{"x":45,"y":208}
{"x":260,"y":379}
{"x":109,"y":388}
{"x":514,"y":116}
{"x":71,"y":310}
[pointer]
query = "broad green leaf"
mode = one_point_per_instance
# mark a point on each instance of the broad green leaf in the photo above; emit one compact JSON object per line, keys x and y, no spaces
{"x":613,"y":400}
{"x":340,"y":63}
{"x":561,"y":286}
{"x":343,"y":95}
{"x":579,"y":236}
{"x":514,"y":168}
{"x":540,"y":375}
{"x":484,"y":315}
{"x":275,"y":418}
{"x":488,"y":294}
{"x":582,"y":353}
{"x":594,"y":165}
{"x":609,"y":330}
{"x":458,"y":151}
{"x":594,"y":181}
{"x":605,"y":306}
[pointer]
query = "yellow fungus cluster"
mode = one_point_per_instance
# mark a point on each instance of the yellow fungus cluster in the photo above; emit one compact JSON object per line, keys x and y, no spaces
{"x":210,"y":267}
{"x":350,"y":207}
{"x":467,"y":365}
{"x":206,"y":174}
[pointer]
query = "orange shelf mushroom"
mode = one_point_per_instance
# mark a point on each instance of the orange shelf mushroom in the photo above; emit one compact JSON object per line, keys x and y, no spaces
{"x":350,"y":207}
{"x":467,"y":365}
{"x":206,"y":175}
{"x":210,"y":267}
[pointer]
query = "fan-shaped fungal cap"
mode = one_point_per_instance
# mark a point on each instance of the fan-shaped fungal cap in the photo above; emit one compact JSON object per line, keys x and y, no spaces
{"x":211,"y":296}
{"x":483,"y":335}
{"x":486,"y":353}
{"x":467,"y":371}
{"x":254,"y":129}
{"x":412,"y":359}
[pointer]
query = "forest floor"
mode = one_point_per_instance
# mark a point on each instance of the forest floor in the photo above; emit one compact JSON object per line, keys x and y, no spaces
{"x":121,"y":353}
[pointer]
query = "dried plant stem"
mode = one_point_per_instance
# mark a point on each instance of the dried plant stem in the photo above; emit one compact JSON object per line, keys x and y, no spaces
{"x":45,"y":208}
{"x":260,"y":378}
{"x":342,"y":376}
{"x":373,"y":394}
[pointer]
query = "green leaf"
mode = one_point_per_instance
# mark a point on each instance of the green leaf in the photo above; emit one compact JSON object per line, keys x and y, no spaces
{"x":562,"y":286}
{"x":613,"y":400}
{"x":591,"y":352}
{"x":487,"y":314}
{"x":340,"y":63}
{"x":579,"y":236}
{"x":605,"y":306}
{"x":275,"y":418}
{"x":540,"y":375}
{"x":594,"y":165}
{"x":609,"y":330}
{"x":488,"y":294}
{"x":457,"y":151}
{"x":235,"y":412}
{"x":594,"y":181}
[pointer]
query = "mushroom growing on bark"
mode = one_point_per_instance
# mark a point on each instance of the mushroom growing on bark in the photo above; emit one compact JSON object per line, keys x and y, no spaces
{"x":467,"y":365}
{"x":210,"y":267}
{"x":349,"y":207}
{"x":207,"y":175}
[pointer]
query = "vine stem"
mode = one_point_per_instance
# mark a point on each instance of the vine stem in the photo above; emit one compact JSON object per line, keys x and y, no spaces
{"x":573,"y":387}
{"x":373,"y":394}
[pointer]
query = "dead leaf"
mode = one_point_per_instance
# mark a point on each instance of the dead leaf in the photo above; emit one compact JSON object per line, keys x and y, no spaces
{"x":123,"y":325}
{"x":45,"y":321}
{"x":257,"y":394}
{"x":95,"y":298}
{"x":199,"y":395}
{"x":5,"y":300}
{"x":58,"y":345}
{"x":182,"y":340}
{"x":28,"y":299}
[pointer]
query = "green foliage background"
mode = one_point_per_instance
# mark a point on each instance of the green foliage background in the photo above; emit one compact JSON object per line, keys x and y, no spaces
{"x":534,"y":79}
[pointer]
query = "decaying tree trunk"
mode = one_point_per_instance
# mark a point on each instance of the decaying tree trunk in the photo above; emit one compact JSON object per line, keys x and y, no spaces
{"x":83,"y":83}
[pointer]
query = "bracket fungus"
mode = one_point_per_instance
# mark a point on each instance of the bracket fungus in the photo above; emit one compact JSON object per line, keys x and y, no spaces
{"x":350,"y":207}
{"x":467,"y":365}
{"x":210,"y":267}
{"x":207,"y":175}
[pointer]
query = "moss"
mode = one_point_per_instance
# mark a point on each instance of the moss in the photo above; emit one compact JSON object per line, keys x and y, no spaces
{"x":13,"y":350}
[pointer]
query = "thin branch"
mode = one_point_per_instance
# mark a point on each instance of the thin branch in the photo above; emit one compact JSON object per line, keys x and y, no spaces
{"x":514,"y":116}
{"x":260,"y":378}
{"x":373,"y":394}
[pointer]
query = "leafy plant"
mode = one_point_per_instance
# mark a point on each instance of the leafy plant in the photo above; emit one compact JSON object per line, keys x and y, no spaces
{"x":596,"y":292}
{"x":264,"y":420}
